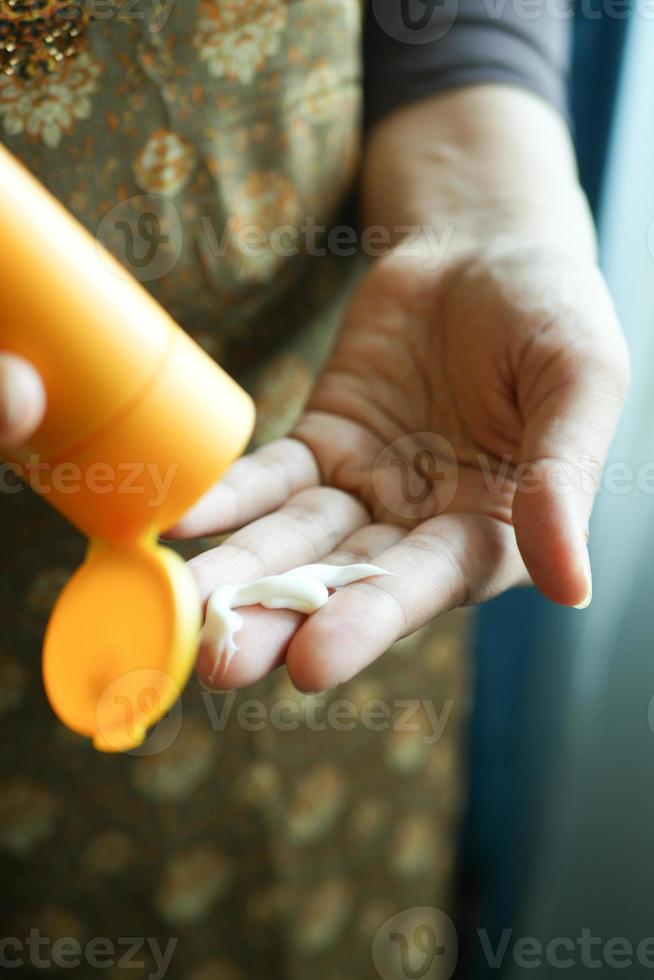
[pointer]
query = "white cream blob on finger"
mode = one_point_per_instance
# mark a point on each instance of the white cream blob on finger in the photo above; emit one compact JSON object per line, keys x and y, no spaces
{"x":304,"y":589}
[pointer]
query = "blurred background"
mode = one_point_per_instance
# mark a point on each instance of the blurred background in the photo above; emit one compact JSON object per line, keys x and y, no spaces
{"x":559,"y":832}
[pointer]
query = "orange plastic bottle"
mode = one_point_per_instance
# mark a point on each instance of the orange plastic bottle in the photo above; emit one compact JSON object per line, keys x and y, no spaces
{"x":140,"y":422}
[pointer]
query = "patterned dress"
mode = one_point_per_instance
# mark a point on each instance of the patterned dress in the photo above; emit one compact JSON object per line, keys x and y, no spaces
{"x":171,"y":130}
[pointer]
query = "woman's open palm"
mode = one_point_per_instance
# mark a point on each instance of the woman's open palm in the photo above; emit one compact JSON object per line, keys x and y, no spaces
{"x":456,"y":438}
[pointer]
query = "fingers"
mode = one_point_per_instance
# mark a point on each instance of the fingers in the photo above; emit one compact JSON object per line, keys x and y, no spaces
{"x":255,"y":485}
{"x":567,"y":437}
{"x":262,"y":643}
{"x":311,"y":525}
{"x":265,"y":634}
{"x":446,"y":562}
{"x":22,"y":400}
{"x":304,"y":530}
{"x":551,"y":532}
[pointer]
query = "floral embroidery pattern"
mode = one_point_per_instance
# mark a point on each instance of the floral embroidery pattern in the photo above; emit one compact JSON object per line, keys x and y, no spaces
{"x":47,"y":108}
{"x":164,"y":164}
{"x":321,"y":96}
{"x":236,"y":37}
{"x":264,"y":204}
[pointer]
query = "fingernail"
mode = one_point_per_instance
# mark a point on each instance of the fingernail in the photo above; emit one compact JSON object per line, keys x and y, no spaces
{"x":588,"y":575}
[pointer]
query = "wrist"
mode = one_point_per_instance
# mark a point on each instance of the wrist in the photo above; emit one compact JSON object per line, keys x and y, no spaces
{"x":473,"y":166}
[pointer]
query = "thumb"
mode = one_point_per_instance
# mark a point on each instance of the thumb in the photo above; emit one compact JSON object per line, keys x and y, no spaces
{"x":22,"y":400}
{"x":566,"y":440}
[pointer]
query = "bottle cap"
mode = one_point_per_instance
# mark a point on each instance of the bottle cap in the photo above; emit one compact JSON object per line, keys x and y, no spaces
{"x":121,"y":642}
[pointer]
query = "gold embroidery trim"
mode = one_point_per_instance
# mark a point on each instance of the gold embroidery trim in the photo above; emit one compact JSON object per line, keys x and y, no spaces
{"x":38,"y":36}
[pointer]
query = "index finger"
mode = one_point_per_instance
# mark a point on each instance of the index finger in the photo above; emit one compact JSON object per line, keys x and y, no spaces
{"x":253,"y":486}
